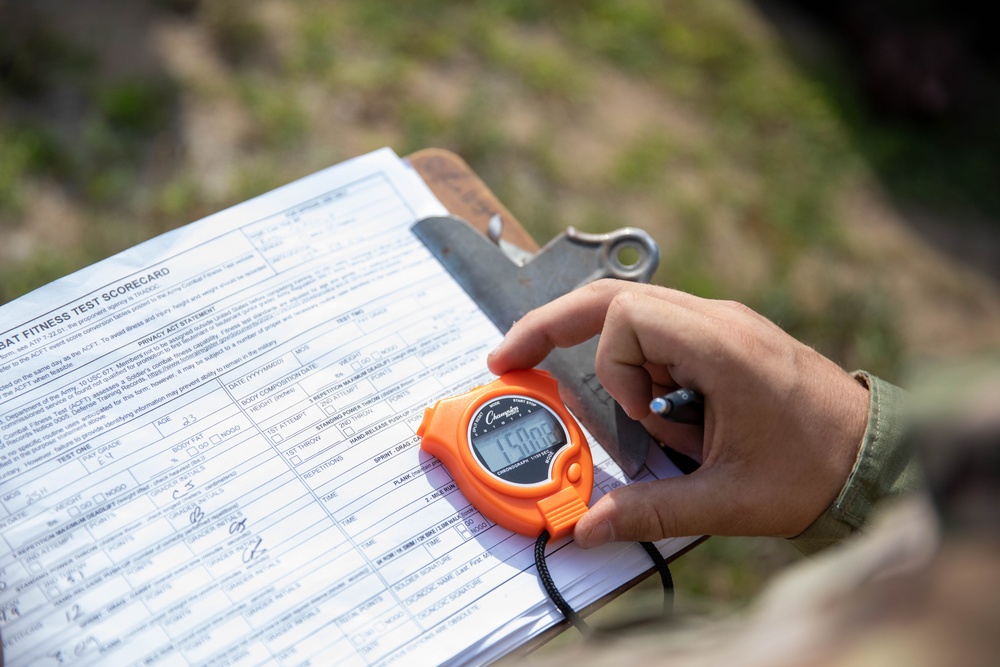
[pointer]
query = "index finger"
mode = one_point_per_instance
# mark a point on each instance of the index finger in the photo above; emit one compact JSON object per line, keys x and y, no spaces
{"x":569,"y":320}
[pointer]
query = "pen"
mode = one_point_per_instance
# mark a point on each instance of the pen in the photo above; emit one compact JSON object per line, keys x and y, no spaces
{"x":684,"y":406}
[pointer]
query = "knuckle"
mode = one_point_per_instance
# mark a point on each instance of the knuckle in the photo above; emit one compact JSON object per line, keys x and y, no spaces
{"x":663,"y":524}
{"x":740,"y":308}
{"x":644,"y":520}
{"x":750,"y":316}
{"x":623,"y":303}
{"x":603,"y":286}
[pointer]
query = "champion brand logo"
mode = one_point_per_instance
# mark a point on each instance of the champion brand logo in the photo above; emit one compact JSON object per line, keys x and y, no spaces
{"x":506,"y":414}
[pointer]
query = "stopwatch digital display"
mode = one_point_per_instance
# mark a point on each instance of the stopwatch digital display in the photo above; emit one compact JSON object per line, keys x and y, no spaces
{"x":516,"y":438}
{"x":515,"y":451}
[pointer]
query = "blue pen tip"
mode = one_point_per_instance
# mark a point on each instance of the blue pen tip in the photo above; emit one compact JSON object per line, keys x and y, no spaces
{"x":659,"y":405}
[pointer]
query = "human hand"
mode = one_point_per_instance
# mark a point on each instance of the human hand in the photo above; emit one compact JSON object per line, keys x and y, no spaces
{"x":783,"y":424}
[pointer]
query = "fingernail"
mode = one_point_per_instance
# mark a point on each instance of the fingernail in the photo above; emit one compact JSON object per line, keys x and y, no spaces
{"x":602,"y":533}
{"x":495,"y":350}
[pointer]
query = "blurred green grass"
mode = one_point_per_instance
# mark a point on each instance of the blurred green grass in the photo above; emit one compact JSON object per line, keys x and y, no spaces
{"x":692,"y":120}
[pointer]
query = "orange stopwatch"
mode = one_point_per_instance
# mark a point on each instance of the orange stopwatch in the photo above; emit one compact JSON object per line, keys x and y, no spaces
{"x":515,"y":451}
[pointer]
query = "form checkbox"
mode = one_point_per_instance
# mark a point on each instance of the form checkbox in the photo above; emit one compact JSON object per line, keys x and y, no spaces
{"x":99,"y":498}
{"x":216,"y":439}
{"x":347,"y":430}
{"x":53,"y":592}
{"x":192,"y":451}
{"x":35,"y":566}
{"x":356,"y":365}
{"x":276,"y":437}
{"x":329,"y":409}
{"x":296,"y":460}
{"x":376,"y":355}
{"x":73,"y":511}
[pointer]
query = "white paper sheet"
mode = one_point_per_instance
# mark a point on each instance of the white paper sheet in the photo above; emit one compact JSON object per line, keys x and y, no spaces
{"x":208,"y":451}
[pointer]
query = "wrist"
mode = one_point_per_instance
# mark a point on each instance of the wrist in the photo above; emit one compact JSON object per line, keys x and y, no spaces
{"x":884,"y":466}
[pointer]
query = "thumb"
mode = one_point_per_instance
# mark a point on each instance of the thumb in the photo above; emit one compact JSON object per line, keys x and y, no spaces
{"x":650,"y":511}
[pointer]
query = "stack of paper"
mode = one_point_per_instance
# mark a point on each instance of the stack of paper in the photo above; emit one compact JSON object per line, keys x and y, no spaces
{"x":208,"y":451}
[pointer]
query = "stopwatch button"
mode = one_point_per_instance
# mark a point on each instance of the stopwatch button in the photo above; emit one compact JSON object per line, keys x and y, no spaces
{"x":574,"y":472}
{"x":425,"y":422}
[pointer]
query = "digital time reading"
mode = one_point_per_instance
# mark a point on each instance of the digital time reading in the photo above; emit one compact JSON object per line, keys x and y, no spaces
{"x":520,"y":435}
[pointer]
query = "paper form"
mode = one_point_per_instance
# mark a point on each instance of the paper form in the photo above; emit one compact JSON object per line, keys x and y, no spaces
{"x":208,"y":451}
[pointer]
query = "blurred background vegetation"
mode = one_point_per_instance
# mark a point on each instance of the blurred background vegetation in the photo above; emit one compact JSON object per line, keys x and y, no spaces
{"x":835,"y":169}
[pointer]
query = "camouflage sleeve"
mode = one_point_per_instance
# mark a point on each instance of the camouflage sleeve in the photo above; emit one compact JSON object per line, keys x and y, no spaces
{"x":886,"y":466}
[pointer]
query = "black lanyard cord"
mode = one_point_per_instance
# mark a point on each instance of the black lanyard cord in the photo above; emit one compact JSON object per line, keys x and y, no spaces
{"x":550,"y":586}
{"x":560,"y":601}
{"x":665,"y":578}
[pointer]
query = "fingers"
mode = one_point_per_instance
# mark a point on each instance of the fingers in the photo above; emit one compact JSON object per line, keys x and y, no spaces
{"x":567,"y":321}
{"x":642,"y":331}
